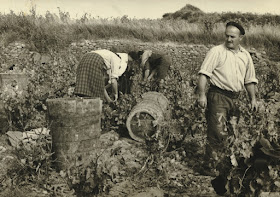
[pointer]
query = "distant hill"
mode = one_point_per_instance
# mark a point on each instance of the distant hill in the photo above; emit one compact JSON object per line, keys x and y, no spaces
{"x":188,"y":12}
{"x":190,"y":8}
{"x":193,"y":15}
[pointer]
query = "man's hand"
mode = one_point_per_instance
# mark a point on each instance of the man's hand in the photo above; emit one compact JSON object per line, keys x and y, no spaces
{"x":254,"y":105}
{"x":202,"y":100}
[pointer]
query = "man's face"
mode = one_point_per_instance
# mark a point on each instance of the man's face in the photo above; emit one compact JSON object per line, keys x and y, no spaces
{"x":233,"y":37}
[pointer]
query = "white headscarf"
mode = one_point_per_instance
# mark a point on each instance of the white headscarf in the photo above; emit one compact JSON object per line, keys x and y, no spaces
{"x":124,"y":62}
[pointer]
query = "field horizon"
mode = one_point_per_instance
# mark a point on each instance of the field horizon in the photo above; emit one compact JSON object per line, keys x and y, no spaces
{"x":54,"y":32}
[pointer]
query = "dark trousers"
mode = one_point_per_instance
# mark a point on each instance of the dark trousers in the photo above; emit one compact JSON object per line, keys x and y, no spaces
{"x":221,"y":107}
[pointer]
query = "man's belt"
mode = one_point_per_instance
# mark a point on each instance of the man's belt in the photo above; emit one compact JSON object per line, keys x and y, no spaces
{"x":230,"y":94}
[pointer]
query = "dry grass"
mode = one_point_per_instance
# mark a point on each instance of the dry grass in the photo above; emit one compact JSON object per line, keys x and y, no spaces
{"x":52,"y":31}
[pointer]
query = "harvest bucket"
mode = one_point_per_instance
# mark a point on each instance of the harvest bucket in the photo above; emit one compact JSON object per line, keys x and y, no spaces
{"x":147,"y":116}
{"x":75,"y":126}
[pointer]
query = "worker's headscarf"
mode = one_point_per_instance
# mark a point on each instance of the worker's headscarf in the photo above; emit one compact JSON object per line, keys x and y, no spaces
{"x":124,"y":62}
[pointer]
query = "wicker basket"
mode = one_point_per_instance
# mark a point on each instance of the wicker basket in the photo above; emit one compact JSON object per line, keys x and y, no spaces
{"x":146,"y":117}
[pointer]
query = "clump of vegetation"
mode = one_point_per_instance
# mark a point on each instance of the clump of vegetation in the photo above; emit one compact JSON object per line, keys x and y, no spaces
{"x":188,"y":25}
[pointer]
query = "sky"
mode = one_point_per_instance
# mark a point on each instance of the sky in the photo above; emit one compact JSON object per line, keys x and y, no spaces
{"x":152,"y":9}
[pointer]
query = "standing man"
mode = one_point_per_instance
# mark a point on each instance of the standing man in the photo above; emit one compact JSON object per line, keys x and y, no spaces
{"x":229,"y":68}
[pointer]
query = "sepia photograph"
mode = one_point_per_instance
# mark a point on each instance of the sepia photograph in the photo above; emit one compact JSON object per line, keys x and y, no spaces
{"x":184,"y":100}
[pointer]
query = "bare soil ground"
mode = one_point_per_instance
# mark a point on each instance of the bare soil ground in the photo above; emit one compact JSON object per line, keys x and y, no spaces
{"x":142,"y":185}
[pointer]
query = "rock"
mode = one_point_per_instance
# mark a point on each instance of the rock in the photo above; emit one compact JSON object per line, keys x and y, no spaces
{"x":269,"y":194}
{"x":16,"y":137}
{"x":258,"y":55}
{"x":36,"y":57}
{"x":150,"y":192}
{"x":74,"y":44}
{"x":45,"y":59}
{"x":2,"y":149}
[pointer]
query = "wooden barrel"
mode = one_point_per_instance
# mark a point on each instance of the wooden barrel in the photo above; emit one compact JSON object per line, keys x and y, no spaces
{"x":75,"y":126}
{"x":147,"y":116}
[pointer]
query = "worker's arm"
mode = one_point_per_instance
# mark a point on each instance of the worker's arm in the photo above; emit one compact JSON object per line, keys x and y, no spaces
{"x":202,"y":81}
{"x":115,"y":88}
{"x":107,"y":97}
{"x":152,"y":74}
{"x":146,"y":74}
{"x":145,"y":57}
{"x":250,"y":87}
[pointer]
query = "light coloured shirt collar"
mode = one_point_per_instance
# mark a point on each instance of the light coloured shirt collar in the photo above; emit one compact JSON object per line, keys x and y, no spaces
{"x":240,"y":48}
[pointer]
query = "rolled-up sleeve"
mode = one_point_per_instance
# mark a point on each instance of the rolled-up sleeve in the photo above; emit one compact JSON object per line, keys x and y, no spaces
{"x":250,"y":76}
{"x":210,"y":62}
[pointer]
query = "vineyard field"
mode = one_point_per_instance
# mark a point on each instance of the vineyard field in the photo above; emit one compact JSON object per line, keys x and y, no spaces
{"x":167,"y":164}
